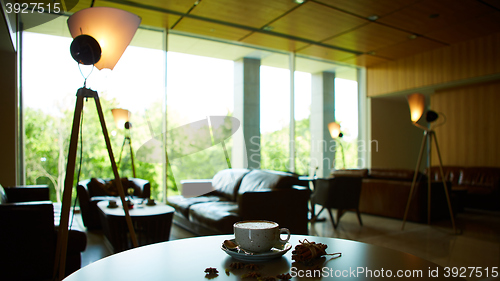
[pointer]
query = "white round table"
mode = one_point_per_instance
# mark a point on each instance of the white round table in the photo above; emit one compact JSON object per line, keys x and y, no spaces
{"x":187,"y":259}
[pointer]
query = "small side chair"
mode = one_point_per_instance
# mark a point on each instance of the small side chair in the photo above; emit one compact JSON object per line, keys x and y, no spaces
{"x":339,"y":192}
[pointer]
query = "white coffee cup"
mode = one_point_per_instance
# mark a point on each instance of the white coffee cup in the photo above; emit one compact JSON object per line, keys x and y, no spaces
{"x":258,"y":235}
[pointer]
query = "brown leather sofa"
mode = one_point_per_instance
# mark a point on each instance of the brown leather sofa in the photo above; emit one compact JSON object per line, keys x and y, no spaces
{"x":28,"y":235}
{"x":94,"y":190}
{"x":384,"y":192}
{"x":242,"y":194}
{"x":476,"y":187}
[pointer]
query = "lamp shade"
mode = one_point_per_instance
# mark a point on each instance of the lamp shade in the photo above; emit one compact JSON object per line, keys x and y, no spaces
{"x":416,"y":102}
{"x":334,"y":129}
{"x":112,"y":28}
{"x":121,"y":117}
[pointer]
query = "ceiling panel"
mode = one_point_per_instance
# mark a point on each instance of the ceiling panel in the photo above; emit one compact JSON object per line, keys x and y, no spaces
{"x":430,"y":15}
{"x":254,"y":13}
{"x":82,"y":4}
{"x":210,"y":29}
{"x":369,"y":37}
{"x":466,"y":30}
{"x":326,"y":53}
{"x":208,"y":48}
{"x":366,"y":8}
{"x":181,"y":6}
{"x":270,"y":41}
{"x":148,"y":17}
{"x":407,"y":48}
{"x":323,"y":29}
{"x":316,"y":22}
{"x":365,"y":60}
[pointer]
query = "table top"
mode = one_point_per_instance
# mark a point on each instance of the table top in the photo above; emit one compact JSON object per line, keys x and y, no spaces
{"x":187,"y":259}
{"x":139,"y":210}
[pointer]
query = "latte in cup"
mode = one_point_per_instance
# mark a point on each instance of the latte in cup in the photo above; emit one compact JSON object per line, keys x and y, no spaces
{"x":259,"y":235}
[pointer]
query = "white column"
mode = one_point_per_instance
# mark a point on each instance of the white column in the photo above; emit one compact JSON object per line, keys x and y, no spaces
{"x":322,"y":113}
{"x":246,"y":144}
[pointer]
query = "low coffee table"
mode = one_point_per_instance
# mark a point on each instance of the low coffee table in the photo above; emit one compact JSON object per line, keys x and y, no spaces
{"x":151,"y":224}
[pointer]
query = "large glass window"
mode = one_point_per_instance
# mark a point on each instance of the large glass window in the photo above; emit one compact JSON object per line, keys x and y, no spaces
{"x":188,"y":105}
{"x":199,"y":91}
{"x":346,"y":114}
{"x":275,"y":118}
{"x":50,"y":80}
{"x":302,"y":115}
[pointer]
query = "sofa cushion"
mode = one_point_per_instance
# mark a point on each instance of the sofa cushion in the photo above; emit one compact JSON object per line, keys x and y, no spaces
{"x":451,"y":174}
{"x":227,"y":182}
{"x":100,"y":187}
{"x":182,"y":204}
{"x":260,"y":180}
{"x":27,"y":193}
{"x":349,"y":173}
{"x":394,"y":174}
{"x":218,"y":216}
{"x":481,"y":180}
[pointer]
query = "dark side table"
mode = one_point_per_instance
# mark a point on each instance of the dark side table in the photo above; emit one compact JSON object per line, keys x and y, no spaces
{"x":151,"y":223}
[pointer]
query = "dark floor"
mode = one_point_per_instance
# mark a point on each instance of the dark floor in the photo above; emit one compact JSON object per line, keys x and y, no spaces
{"x":478,"y":243}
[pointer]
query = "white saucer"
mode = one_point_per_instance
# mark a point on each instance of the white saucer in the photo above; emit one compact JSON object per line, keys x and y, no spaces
{"x":274,"y":253}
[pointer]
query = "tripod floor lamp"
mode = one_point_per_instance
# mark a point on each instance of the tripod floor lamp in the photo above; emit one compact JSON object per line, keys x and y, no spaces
{"x":101,"y":35}
{"x":334,"y":129}
{"x":122,"y":120}
{"x":416,"y":103}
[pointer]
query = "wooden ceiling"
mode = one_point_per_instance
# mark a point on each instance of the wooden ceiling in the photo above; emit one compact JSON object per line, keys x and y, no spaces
{"x":359,"y":32}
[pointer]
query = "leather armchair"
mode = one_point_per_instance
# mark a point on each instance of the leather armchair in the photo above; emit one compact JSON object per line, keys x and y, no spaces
{"x":94,"y":190}
{"x":340,"y":192}
{"x":28,"y":237}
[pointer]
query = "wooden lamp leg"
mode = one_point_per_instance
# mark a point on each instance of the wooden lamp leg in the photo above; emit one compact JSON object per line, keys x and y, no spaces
{"x":62,"y":233}
{"x":121,"y":192}
{"x":410,"y":196}
{"x":450,"y":209}
{"x":131,"y":156}
{"x":431,"y":135}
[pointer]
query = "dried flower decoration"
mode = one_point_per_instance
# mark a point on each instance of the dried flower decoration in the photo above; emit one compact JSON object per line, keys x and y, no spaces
{"x":211,"y":272}
{"x":252,"y":266}
{"x":306,"y":252}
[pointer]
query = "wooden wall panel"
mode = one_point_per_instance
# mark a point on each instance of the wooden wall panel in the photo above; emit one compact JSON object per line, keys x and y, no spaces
{"x":471,"y":134}
{"x":465,"y":60}
{"x":397,"y":140}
